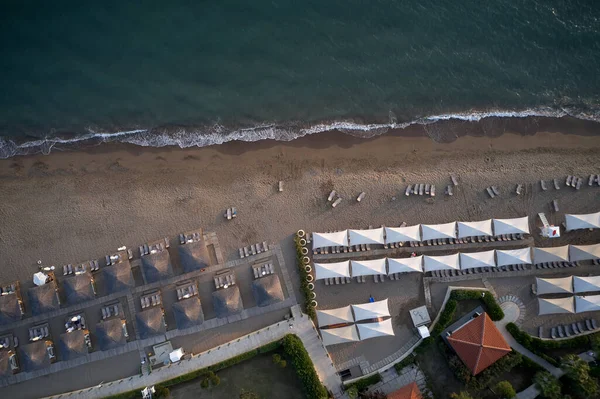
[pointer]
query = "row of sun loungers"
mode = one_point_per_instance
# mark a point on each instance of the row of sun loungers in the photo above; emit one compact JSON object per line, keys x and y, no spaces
{"x":477,"y":270}
{"x":183,"y":239}
{"x":79,"y":324}
{"x":230,"y":213}
{"x":69,"y":269}
{"x":556,"y":265}
{"x":566,"y":330}
{"x":159,"y":247}
{"x":186,"y":292}
{"x":263,"y":270}
{"x":594,"y":179}
{"x":38,"y":332}
{"x":111,"y":310}
{"x":420,"y":189}
{"x":151,"y":300}
{"x":253,"y":249}
{"x":222,"y":281}
{"x":6,"y":341}
{"x":492,"y":191}
{"x":341,"y":280}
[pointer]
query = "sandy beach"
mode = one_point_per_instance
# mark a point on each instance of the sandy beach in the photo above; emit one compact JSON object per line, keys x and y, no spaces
{"x":77,"y":205}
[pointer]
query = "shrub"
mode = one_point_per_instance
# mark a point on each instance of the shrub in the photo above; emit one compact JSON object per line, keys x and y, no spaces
{"x":205,"y":383}
{"x":548,"y":385}
{"x":308,"y":308}
{"x":461,"y":395}
{"x":282,"y":363}
{"x":215,"y":380}
{"x":407,"y":361}
{"x":505,"y":390}
{"x":248,"y":395}
{"x":297,"y":354}
{"x":352,"y":392}
{"x":161,"y":391}
{"x":364,"y":383}
{"x":276,"y":358}
{"x":577,"y":371}
{"x":445,"y":317}
{"x":493,"y":309}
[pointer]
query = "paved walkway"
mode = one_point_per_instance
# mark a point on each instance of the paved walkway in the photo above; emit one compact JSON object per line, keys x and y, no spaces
{"x":391,"y":380}
{"x":300,"y":324}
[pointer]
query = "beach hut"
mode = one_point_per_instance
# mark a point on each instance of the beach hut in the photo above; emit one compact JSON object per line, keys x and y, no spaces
{"x":118,"y":277}
{"x":589,"y":303}
{"x":156,"y":266}
{"x":337,"y":239}
{"x":448,"y":262}
{"x":551,"y":254}
{"x":563,"y":285}
{"x":10,"y":309}
{"x":511,"y":226}
{"x":267,"y":290}
{"x":193,"y":256}
{"x":72,"y":345}
{"x":188,"y":312}
{"x":111,"y":333}
{"x":227,"y":301}
{"x":556,"y":306}
{"x":370,"y":236}
{"x":402,"y":234}
{"x":438,"y":231}
{"x":79,"y":288}
{"x":474,"y":229}
{"x":586,"y":221}
{"x":477,"y":259}
{"x":151,"y":322}
{"x":341,"y":315}
{"x":373,"y":330}
{"x":371,"y":310}
{"x":405,"y":265}
{"x":507,"y":257}
{"x":341,"y":335}
{"x":330,"y":270}
{"x":584,"y":252}
{"x":5,"y":367}
{"x":586,"y":284}
{"x":34,"y":356}
{"x":368,"y":267}
{"x":43,"y":298}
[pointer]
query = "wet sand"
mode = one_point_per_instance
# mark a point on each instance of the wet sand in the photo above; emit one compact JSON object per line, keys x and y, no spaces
{"x":76,"y":205}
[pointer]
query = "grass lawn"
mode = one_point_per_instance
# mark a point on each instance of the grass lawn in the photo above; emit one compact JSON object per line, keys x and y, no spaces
{"x":258,"y":374}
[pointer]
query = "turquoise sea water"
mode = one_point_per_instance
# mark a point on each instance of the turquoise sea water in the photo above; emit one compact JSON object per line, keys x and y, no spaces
{"x":201,"y":72}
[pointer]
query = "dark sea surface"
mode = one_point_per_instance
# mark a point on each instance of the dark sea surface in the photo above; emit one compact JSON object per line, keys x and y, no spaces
{"x":193,"y":73}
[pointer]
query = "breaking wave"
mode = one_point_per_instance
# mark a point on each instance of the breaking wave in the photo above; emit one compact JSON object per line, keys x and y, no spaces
{"x":185,"y":137}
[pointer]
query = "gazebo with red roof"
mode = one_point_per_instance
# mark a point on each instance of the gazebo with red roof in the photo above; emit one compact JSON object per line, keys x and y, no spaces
{"x":478,"y":343}
{"x":410,"y":391}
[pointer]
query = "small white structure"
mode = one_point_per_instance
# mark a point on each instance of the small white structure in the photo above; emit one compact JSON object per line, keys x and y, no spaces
{"x":176,"y":355}
{"x":551,"y":254}
{"x":405,"y":265}
{"x":39,"y":278}
{"x":371,"y":310}
{"x":511,"y":226}
{"x":563,"y":285}
{"x":342,"y":335}
{"x":556,"y":306}
{"x":477,"y":259}
{"x":475,"y":229}
{"x":513,"y":257}
{"x":402,"y":234}
{"x":368,"y":267}
{"x":448,"y":262}
{"x":423,"y":331}
{"x":438,"y":231}
{"x":589,"y":303}
{"x":373,"y":330}
{"x":338,"y":239}
{"x":586,"y":284}
{"x":370,"y":236}
{"x":550,"y":231}
{"x":420,"y":316}
{"x":330,"y":270}
{"x":584,"y":252}
{"x":329,"y":317}
{"x":587,"y":221}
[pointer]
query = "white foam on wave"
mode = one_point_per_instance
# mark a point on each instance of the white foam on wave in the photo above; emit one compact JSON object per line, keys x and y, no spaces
{"x":218,"y":134}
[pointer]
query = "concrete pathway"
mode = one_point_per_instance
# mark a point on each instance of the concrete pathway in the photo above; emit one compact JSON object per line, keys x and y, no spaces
{"x":300,"y":324}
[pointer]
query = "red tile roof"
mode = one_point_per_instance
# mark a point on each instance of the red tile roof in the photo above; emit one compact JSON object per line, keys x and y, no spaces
{"x":478,"y":343}
{"x":410,"y":391}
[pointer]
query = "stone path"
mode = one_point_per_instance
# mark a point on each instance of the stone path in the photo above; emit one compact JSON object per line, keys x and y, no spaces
{"x":300,"y":324}
{"x":512,"y":302}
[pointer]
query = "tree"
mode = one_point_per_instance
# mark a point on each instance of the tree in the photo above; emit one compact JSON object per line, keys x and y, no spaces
{"x":352,"y":392}
{"x":548,"y":385}
{"x":461,"y":395}
{"x":373,"y":395}
{"x":505,"y":390}
{"x":276,"y":358}
{"x":578,"y":371}
{"x":248,"y":395}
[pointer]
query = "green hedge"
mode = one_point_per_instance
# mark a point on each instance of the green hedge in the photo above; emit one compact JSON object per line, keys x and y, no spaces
{"x":297,"y":354}
{"x":364,"y":383}
{"x":308,"y":308}
{"x":493,"y":309}
{"x":445,"y":317}
{"x":408,"y":360}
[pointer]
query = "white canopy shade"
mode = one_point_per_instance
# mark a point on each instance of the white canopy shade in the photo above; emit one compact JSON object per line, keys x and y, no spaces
{"x":584,"y":252}
{"x":475,"y":229}
{"x":588,"y":221}
{"x":586,"y":284}
{"x":404,"y":265}
{"x":368,"y":267}
{"x":590,"y":303}
{"x":437,"y":231}
{"x":340,"y":335}
{"x":339,"y":239}
{"x":371,"y":310}
{"x":372,"y":236}
{"x":513,"y":256}
{"x":335,"y":316}
{"x":556,"y":306}
{"x":39,"y":278}
{"x":511,"y":226}
{"x":374,"y":330}
{"x":423,"y":331}
{"x":551,"y":254}
{"x":401,"y":234}
{"x":477,"y":259}
{"x":432,"y":263}
{"x":329,"y":270}
{"x":176,"y":355}
{"x":562,"y":285}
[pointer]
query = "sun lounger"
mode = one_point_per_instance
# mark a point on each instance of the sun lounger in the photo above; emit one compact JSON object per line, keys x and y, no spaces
{"x":421,"y":188}
{"x":593,"y":321}
{"x":553,"y":333}
{"x":556,"y":186}
{"x":258,"y":248}
{"x":427,"y":189}
{"x":342,"y":280}
{"x":432,"y":193}
{"x":407,"y":192}
{"x":253,"y":249}
{"x":519,"y":189}
{"x":588,"y":324}
{"x":490,"y":192}
{"x":246,"y":252}
{"x":348,"y":280}
{"x":376,"y":278}
{"x":569,"y":180}
{"x":331,"y":196}
{"x":580,"y":326}
{"x":336,"y":203}
{"x":360,"y":197}
{"x":561,"y":333}
{"x":575,"y":329}
{"x":495,"y":190}
{"x":256,"y":272}
{"x":543,"y":185}
{"x":454,"y":181}
{"x":241,"y":253}
{"x":540,"y":332}
{"x":567,"y":330}
{"x":579,"y":183}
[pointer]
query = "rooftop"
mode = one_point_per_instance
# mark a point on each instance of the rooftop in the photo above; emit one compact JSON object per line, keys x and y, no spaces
{"x":72,"y":344}
{"x":110,"y":333}
{"x":188,"y":312}
{"x":43,"y":298}
{"x":79,"y":288}
{"x":156,"y":266}
{"x":267,"y":290}
{"x":151,"y":322}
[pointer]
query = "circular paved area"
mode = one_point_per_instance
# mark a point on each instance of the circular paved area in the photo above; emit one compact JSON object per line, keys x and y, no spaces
{"x":514,"y":310}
